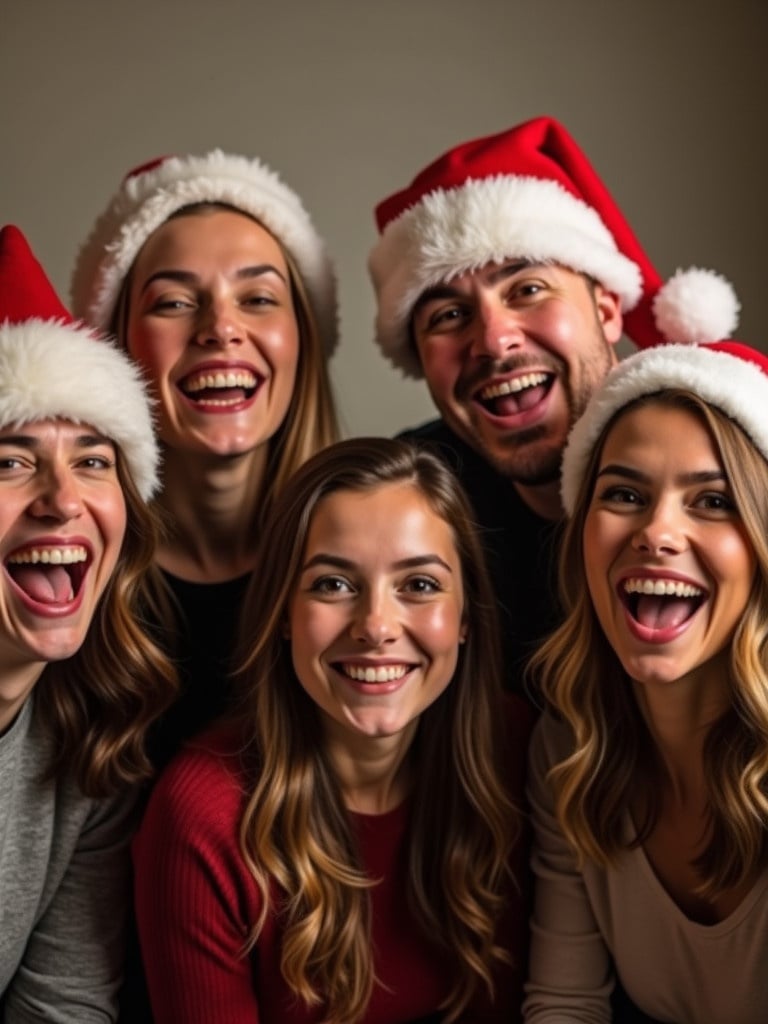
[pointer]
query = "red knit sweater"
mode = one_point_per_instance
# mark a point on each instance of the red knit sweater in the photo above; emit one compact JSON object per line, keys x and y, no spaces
{"x":196,"y":903}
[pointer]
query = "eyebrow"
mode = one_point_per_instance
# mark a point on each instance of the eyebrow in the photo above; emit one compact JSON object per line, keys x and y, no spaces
{"x":448,"y":291}
{"x":30,"y":442}
{"x":704,"y":476}
{"x":415,"y":562}
{"x":190,"y":278}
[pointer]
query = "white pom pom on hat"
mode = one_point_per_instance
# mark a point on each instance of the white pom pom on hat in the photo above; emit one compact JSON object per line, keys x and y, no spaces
{"x":52,"y":367}
{"x":528,"y":193}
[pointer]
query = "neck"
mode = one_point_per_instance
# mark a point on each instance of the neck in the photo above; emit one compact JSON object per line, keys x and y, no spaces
{"x":373,"y":772}
{"x":16,"y":684}
{"x":210,"y":506}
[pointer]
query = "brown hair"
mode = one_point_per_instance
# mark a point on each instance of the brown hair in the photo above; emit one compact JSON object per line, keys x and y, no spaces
{"x":295,"y":831}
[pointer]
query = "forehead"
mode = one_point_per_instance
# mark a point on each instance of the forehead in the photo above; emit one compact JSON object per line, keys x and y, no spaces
{"x":395,"y":516}
{"x":210,"y":235}
{"x":659,"y":428}
{"x":52,"y":431}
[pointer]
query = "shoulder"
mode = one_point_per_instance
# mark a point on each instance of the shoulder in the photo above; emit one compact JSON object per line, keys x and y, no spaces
{"x":203,"y":785}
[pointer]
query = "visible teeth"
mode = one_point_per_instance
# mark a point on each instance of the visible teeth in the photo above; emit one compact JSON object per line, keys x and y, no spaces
{"x":662,"y":588}
{"x":49,"y":556}
{"x":512,"y":387}
{"x":221,"y":379}
{"x":369,"y":674}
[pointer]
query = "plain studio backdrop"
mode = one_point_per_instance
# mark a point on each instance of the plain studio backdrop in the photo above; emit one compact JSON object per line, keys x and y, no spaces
{"x":348,"y":100}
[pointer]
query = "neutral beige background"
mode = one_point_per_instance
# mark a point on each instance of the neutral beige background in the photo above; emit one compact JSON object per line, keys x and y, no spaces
{"x":348,"y":100}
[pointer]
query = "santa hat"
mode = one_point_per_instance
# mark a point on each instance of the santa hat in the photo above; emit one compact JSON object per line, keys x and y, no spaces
{"x":529,"y":193}
{"x":728,"y":375}
{"x":150,"y":194}
{"x":52,"y":367}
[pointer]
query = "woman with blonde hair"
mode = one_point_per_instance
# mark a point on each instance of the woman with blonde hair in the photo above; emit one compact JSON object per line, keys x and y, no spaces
{"x":649,"y":774}
{"x":348,"y":849}
{"x":211,"y":275}
{"x":80,"y":681}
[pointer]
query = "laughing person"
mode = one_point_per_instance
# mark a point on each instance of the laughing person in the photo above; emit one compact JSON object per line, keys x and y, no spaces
{"x":79,"y":681}
{"x":649,"y":777}
{"x":349,"y":851}
{"x":209,"y":272}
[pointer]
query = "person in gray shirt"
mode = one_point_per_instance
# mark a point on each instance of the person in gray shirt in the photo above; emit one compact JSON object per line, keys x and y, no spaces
{"x":79,"y":681}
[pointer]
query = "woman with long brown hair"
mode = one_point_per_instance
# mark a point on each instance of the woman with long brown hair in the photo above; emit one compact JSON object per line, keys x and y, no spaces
{"x":211,"y":275}
{"x":649,"y":775}
{"x":80,"y":680}
{"x":348,"y":850}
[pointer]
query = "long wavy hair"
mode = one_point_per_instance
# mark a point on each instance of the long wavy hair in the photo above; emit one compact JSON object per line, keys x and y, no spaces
{"x":310,"y":423}
{"x":98,"y":704}
{"x":295,"y":834}
{"x":614,"y":763}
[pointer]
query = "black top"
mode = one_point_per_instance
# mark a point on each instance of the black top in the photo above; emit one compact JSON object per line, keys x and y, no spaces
{"x":520,"y":548}
{"x":203,"y":653}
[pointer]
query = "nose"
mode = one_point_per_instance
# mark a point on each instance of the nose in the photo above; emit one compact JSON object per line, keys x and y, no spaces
{"x":376,"y":621}
{"x":59,"y":498}
{"x":218,"y":325}
{"x":661,"y":531}
{"x":496,"y":329}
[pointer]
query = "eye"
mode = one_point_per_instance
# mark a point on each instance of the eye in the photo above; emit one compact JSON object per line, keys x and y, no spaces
{"x":331,"y":586}
{"x":96,"y":462}
{"x":172,"y":304}
{"x":618,"y":494}
{"x":715,"y":501}
{"x":526,"y":289}
{"x":258,"y":301}
{"x":443,"y":318}
{"x":421,"y":585}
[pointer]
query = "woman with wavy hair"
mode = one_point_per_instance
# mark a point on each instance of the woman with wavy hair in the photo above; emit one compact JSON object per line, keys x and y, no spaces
{"x":211,"y":275}
{"x":649,"y":774}
{"x":80,"y":681}
{"x":349,"y":850}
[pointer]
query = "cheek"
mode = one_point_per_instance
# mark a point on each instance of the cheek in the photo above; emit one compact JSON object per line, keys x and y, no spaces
{"x":442,"y":365}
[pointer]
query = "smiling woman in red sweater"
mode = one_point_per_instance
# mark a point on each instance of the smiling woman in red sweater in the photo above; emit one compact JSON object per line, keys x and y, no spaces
{"x":348,"y":850}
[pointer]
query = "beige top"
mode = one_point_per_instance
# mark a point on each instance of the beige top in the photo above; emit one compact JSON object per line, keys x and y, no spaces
{"x":588,"y":923}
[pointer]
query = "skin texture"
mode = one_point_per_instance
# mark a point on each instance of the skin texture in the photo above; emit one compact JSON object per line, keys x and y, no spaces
{"x":665,"y":511}
{"x":540,"y":330}
{"x":59,"y":489}
{"x":210,"y":292}
{"x":380,"y":590}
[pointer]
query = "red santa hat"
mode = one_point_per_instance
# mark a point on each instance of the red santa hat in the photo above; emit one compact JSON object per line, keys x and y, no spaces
{"x":529,"y":193}
{"x":150,"y":194}
{"x":728,"y":375}
{"x":52,"y":367}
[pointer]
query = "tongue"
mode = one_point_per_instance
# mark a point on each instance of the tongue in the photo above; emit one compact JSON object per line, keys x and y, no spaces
{"x":663,"y":612}
{"x":508,"y":405}
{"x":50,"y":584}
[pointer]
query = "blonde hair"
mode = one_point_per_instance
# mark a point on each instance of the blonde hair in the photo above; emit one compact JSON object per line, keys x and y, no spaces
{"x":98,"y":704}
{"x":295,"y":834}
{"x":614,"y":763}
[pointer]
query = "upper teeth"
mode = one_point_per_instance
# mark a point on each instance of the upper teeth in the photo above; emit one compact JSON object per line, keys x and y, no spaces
{"x":49,"y":556}
{"x":511,"y":387}
{"x":221,"y":379}
{"x":369,"y":674}
{"x":662,"y":588}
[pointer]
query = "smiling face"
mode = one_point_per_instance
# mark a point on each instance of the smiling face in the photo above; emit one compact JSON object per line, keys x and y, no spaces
{"x":376,"y":618}
{"x":511,"y":354}
{"x":211,"y":319}
{"x":669,"y":566}
{"x":62,"y":523}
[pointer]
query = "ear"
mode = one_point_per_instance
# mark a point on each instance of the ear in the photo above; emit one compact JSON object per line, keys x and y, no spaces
{"x":463,"y":631}
{"x":608,"y":309}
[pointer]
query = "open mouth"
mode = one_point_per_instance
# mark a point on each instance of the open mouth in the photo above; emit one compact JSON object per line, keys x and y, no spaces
{"x":49,"y":575}
{"x":519,"y":394}
{"x":661,"y":604}
{"x":220,"y":387}
{"x":372,"y":673}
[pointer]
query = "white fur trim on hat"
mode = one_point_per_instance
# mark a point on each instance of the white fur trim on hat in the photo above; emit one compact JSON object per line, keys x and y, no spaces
{"x":147,"y":199}
{"x":52,"y":370}
{"x":735,"y":386}
{"x":452,"y":231}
